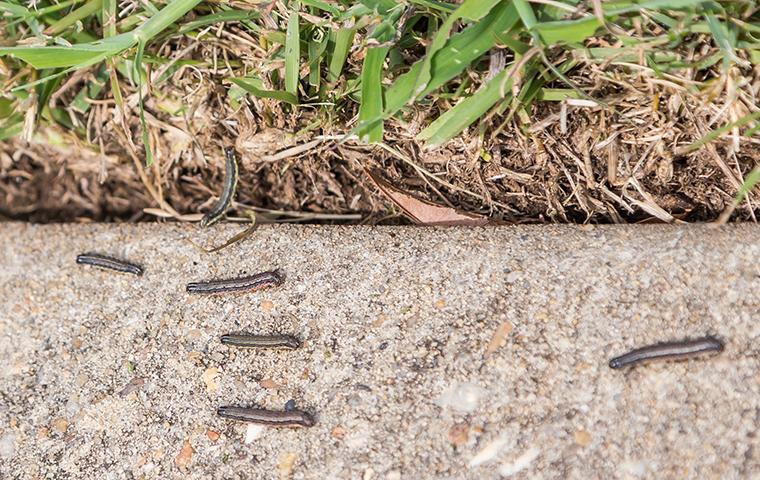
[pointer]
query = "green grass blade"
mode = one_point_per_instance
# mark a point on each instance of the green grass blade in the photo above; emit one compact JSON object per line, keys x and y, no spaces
{"x":722,"y":38}
{"x":472,"y":10}
{"x":526,"y":13}
{"x":317,"y":48}
{"x":469,"y":110}
{"x":461,"y":50}
{"x":12,"y":127}
{"x":568,"y":31}
{"x":86,"y":54}
{"x":219,"y":17}
{"x":90,"y":91}
{"x":434,"y":5}
{"x":749,"y":183}
{"x":109,"y":18}
{"x":139,"y":80}
{"x":720,"y":131}
{"x":292,"y":53}
{"x":255,"y":87}
{"x":79,"y":14}
{"x":324,"y":6}
{"x":344,"y":38}
{"x":371,"y":106}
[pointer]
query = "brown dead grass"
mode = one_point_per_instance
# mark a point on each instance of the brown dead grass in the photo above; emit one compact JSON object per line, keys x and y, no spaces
{"x":621,"y":162}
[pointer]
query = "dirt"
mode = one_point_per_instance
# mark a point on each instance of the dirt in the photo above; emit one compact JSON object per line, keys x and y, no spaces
{"x":620,"y":162}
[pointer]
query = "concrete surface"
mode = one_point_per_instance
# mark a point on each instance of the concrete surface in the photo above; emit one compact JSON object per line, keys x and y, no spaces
{"x":114,"y":376}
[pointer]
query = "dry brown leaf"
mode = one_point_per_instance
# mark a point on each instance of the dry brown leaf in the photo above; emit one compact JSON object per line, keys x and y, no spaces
{"x":424,"y":212}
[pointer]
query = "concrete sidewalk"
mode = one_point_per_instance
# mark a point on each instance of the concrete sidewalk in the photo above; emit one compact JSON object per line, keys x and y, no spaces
{"x":428,"y":353}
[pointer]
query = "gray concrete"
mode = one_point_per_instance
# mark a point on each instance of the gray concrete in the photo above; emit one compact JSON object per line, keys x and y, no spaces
{"x":113,"y":376}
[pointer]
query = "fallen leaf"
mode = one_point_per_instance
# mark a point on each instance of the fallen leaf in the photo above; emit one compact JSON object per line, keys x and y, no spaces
{"x":253,"y":432}
{"x":285,"y":467}
{"x":499,"y":338}
{"x":424,"y":212}
{"x":184,"y":456}
{"x":209,"y":377}
{"x":134,"y":385}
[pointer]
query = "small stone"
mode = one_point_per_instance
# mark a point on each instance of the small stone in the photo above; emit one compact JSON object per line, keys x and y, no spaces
{"x":209,"y":378}
{"x":195,"y":357}
{"x":134,"y":385}
{"x":489,"y":452}
{"x":76,"y":343}
{"x":459,"y":433}
{"x":499,"y":337}
{"x":463,"y":397}
{"x":269,"y":384}
{"x":440,"y":303}
{"x":252,"y":433}
{"x":519,"y":463}
{"x":267,"y":305}
{"x":379,"y":320}
{"x":285,"y":467}
{"x":193,"y":334}
{"x":582,"y":438}
{"x":338,"y":432}
{"x":60,"y":425}
{"x":42,"y":433}
{"x":184,"y":456}
{"x":212,"y":435}
{"x":82,"y":380}
{"x":393,"y":475}
{"x":7,"y":445}
{"x":369,"y":474}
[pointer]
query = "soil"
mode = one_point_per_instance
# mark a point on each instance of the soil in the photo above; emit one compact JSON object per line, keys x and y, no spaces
{"x":618,"y":162}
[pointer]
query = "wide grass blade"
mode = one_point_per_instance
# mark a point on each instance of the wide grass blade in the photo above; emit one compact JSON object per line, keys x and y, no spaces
{"x":86,"y":54}
{"x":371,"y":106}
{"x":469,"y":10}
{"x":460,"y":51}
{"x":292,"y":53}
{"x":344,"y":38}
{"x":451,"y":123}
{"x":255,"y":87}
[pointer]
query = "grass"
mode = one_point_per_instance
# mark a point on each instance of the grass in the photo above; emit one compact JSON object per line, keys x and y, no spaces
{"x":381,"y":60}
